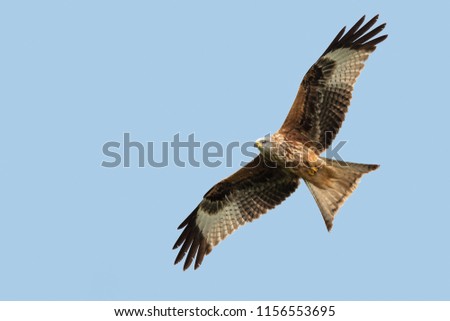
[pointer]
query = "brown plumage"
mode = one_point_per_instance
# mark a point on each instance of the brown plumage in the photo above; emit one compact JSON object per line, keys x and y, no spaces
{"x":292,"y":153}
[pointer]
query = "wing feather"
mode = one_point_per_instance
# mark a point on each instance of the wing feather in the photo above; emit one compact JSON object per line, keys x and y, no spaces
{"x":326,"y":90}
{"x":236,"y":200}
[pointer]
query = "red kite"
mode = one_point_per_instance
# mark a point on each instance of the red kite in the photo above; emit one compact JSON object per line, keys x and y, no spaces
{"x":292,"y":153}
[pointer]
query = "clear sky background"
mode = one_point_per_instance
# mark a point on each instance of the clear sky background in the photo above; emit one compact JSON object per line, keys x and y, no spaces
{"x":77,"y":74}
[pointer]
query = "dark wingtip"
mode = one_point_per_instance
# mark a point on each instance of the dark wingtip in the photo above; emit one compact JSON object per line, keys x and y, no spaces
{"x":359,"y":36}
{"x":179,"y":257}
{"x":193,"y":244}
{"x":188,"y":219}
{"x":382,"y":26}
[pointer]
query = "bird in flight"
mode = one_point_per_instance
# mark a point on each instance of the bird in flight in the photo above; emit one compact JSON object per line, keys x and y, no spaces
{"x":292,"y":153}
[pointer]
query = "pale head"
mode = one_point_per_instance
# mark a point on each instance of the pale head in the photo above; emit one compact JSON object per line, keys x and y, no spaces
{"x":263,"y":143}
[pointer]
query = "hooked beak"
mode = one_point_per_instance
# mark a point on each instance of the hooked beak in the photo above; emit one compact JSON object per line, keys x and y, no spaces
{"x":258,"y":144}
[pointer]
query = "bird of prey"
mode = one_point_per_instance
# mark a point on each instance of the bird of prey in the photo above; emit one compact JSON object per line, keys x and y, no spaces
{"x":292,"y":153}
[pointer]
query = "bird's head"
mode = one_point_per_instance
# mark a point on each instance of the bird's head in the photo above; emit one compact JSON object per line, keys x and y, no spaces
{"x":263,"y":143}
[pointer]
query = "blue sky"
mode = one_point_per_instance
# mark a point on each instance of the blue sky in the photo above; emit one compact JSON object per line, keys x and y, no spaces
{"x":77,"y":74}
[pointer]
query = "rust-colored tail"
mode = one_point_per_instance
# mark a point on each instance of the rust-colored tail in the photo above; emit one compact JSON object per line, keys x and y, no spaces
{"x":339,"y":179}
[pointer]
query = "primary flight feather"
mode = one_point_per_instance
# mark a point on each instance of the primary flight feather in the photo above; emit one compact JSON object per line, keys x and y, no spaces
{"x":292,"y":153}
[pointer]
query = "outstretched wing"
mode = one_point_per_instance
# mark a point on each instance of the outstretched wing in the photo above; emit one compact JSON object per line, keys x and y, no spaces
{"x":234,"y":201}
{"x":325,"y":92}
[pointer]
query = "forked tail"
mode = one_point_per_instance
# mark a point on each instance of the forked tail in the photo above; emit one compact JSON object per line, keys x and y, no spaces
{"x":332,"y":185}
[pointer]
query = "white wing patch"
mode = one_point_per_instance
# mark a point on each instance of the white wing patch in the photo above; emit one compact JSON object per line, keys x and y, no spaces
{"x":216,"y":227}
{"x":349,"y":63}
